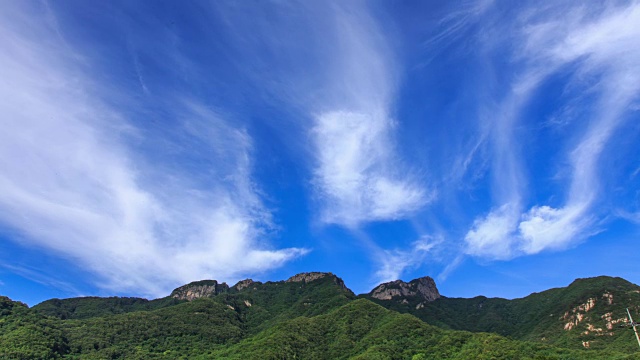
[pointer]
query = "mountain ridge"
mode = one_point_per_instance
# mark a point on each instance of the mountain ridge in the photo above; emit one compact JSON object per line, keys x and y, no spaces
{"x":423,"y":288}
{"x":587,"y":313}
{"x":314,"y":315}
{"x":310,"y":276}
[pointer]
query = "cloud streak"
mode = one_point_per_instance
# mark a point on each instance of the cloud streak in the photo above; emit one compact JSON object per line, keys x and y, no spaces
{"x":598,"y":44}
{"x":70,"y":183}
{"x":358,"y":175}
{"x":394,"y":262}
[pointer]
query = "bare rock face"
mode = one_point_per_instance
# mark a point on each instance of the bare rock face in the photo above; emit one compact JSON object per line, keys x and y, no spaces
{"x":242,"y":284}
{"x":311,"y":276}
{"x":307,"y":277}
{"x":423,"y":288}
{"x":199,"y":289}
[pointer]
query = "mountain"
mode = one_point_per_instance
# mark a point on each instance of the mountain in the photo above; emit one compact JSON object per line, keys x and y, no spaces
{"x":364,"y":330}
{"x":92,"y":306}
{"x":199,"y":289}
{"x":586,"y":314}
{"x":315,"y":316}
{"x":422,"y":290}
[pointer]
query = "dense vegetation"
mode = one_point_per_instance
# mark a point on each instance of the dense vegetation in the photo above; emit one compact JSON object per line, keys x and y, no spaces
{"x":24,"y":334}
{"x":88,"y":307}
{"x":286,"y":320}
{"x":364,"y":330}
{"x":542,"y":317}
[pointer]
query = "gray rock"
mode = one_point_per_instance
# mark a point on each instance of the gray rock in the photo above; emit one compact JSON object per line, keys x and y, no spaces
{"x":242,"y":284}
{"x":423,"y":288}
{"x":199,"y":289}
{"x":311,"y":276}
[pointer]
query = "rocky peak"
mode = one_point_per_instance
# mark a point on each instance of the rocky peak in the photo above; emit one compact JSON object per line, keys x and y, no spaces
{"x":242,"y":284}
{"x":423,"y":288}
{"x":199,"y":289}
{"x":307,"y":277}
{"x":311,"y":276}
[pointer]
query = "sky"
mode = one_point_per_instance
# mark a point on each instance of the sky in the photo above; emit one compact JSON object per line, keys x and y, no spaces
{"x":491,"y":145}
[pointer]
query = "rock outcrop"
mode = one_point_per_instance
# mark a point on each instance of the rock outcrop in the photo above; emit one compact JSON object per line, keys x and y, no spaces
{"x":311,"y":276}
{"x":307,"y":277}
{"x":199,"y":289}
{"x":423,"y":288}
{"x":243,"y":284}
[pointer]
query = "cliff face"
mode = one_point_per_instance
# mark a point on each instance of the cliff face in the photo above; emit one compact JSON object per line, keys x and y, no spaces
{"x":311,"y":276}
{"x":199,"y":289}
{"x":209,"y":288}
{"x":243,"y":284}
{"x":423,"y":288}
{"x":307,"y":277}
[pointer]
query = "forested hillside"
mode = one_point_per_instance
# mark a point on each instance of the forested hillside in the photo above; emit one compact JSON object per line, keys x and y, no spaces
{"x":309,"y":316}
{"x":589,"y":313}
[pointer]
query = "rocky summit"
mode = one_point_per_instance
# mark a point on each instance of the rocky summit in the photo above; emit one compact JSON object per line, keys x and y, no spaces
{"x":243,"y":284}
{"x":423,"y":288}
{"x":199,"y":289}
{"x":312,"y":276}
{"x":312,"y":316}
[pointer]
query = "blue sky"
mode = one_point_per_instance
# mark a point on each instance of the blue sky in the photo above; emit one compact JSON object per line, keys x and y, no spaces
{"x":491,"y":145}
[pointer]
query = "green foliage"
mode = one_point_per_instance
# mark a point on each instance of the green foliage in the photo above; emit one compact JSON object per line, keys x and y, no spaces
{"x":188,"y":328}
{"x":110,"y":328}
{"x":28,"y":335}
{"x":540,"y":317}
{"x":299,"y":320}
{"x":8,"y":307}
{"x":363,"y":330}
{"x":273,"y":302}
{"x":88,"y":307}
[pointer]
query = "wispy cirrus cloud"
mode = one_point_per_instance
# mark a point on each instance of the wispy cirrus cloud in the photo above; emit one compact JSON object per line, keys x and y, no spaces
{"x":597,"y":44}
{"x":71,"y":183}
{"x":37,"y":276}
{"x":394,"y":262}
{"x":343,"y":80}
{"x":603,"y":47}
{"x":358,"y":175}
{"x":337,"y":70}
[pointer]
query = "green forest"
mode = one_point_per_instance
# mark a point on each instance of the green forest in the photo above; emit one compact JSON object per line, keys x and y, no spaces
{"x":322,"y":319}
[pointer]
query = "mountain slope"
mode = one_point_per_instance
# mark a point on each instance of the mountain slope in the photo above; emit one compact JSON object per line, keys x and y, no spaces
{"x":364,"y":330}
{"x":25,"y":334}
{"x":314,"y":316}
{"x":91,"y":306}
{"x":136,"y":328}
{"x":207,"y":329}
{"x":587,"y":313}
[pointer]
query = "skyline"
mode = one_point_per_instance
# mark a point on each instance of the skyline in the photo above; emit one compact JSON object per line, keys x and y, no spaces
{"x":489,"y":145}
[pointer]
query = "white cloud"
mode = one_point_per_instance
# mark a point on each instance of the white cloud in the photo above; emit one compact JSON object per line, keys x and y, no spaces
{"x":629,"y":216}
{"x":70,"y":183}
{"x":353,"y":173}
{"x":544,"y":227}
{"x":492,"y":236}
{"x":453,"y":265}
{"x":358,"y":175}
{"x":605,"y":46}
{"x":394,"y":262}
{"x":598,"y":44}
